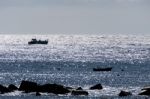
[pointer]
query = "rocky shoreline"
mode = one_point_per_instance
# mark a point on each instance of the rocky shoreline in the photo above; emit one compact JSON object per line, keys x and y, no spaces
{"x":57,"y":89}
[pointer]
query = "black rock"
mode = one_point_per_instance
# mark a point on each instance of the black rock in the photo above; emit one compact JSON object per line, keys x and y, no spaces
{"x":146,"y":88}
{"x":4,"y":89}
{"x":124,"y":93}
{"x":98,"y":87}
{"x":28,"y":86}
{"x":12,"y":87}
{"x":79,"y":92}
{"x":146,"y":92}
{"x":53,"y":88}
{"x":79,"y":88}
{"x":38,"y":94}
{"x":70,"y":88}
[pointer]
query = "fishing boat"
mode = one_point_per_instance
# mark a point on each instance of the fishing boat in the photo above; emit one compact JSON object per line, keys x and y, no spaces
{"x":35,"y":41}
{"x":102,"y":69}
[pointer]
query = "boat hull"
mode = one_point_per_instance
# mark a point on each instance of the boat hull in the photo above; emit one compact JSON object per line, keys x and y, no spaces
{"x":102,"y":69}
{"x":38,"y":42}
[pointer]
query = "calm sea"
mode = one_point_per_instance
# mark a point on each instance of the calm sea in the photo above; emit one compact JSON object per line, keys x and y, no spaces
{"x":69,"y":60}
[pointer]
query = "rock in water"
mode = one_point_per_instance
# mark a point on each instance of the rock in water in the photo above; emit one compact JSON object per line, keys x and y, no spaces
{"x":38,"y":94}
{"x":145,"y":92}
{"x":97,"y":87}
{"x":70,"y":88}
{"x":28,"y":86}
{"x":53,"y":88}
{"x":4,"y":89}
{"x":79,"y":88}
{"x":12,"y":87}
{"x":124,"y":93}
{"x":146,"y":88}
{"x":79,"y":92}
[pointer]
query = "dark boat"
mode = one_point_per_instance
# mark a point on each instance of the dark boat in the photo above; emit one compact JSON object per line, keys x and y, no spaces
{"x":35,"y":41}
{"x":102,"y":69}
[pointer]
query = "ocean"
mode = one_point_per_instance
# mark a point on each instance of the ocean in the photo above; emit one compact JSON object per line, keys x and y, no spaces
{"x":69,"y":60}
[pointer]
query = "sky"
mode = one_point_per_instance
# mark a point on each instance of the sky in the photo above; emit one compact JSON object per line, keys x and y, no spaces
{"x":75,"y":16}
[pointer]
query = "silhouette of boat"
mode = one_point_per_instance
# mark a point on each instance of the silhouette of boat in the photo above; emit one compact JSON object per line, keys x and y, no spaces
{"x":102,"y":69}
{"x":35,"y":41}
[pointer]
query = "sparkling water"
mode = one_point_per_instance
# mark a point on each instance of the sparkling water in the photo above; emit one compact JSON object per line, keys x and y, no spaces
{"x":69,"y":60}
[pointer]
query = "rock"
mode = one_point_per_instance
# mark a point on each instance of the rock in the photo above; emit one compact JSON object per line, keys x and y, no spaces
{"x":124,"y":93}
{"x":79,"y":92}
{"x":145,"y":92}
{"x":146,"y":88}
{"x":38,"y":94}
{"x":98,"y":87}
{"x":12,"y":87}
{"x":28,"y":86}
{"x":4,"y":89}
{"x":53,"y":88}
{"x":79,"y":88}
{"x":69,"y":88}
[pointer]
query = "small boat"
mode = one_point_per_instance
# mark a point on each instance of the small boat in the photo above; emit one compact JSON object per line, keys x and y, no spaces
{"x":35,"y":41}
{"x":102,"y":69}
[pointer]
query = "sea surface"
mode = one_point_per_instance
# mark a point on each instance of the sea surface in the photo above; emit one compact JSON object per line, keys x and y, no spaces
{"x":69,"y":60}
